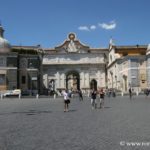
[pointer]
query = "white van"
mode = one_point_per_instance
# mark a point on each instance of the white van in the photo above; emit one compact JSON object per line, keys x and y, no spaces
{"x":15,"y":92}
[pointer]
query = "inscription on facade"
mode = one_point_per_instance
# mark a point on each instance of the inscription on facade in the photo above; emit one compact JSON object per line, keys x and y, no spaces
{"x":76,"y":59}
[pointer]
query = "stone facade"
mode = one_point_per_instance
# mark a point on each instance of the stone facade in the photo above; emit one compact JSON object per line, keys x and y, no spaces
{"x":74,"y":66}
{"x":8,"y":71}
{"x":29,"y":69}
{"x":20,"y":66}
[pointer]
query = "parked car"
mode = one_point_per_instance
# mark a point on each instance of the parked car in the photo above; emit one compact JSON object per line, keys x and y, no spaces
{"x":26,"y":92}
{"x":15,"y":92}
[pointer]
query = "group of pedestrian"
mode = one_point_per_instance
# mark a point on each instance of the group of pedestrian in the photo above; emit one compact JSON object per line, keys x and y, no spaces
{"x":94,"y":101}
{"x":93,"y":95}
{"x":111,"y":92}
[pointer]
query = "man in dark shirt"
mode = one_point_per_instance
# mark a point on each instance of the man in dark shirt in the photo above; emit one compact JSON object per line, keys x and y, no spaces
{"x":93,"y":98}
{"x":130,"y":93}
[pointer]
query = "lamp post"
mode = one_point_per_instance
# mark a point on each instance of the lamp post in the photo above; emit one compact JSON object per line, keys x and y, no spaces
{"x":111,"y":73}
{"x":30,"y":74}
{"x":116,"y":81}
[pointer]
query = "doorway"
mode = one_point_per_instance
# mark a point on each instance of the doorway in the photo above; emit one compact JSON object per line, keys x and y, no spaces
{"x":93,"y":84}
{"x":73,"y":81}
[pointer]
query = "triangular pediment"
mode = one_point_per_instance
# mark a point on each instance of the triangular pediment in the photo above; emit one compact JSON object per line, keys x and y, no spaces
{"x":72,"y":45}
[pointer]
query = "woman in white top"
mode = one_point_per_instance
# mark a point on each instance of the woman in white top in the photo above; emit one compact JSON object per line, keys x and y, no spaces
{"x":66,"y":101}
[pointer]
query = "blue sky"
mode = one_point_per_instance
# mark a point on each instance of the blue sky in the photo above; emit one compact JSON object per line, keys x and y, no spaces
{"x":47,"y":22}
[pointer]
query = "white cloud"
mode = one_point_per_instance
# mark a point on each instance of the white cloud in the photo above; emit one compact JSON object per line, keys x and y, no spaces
{"x":83,"y":28}
{"x":92,"y":27}
{"x":108,"y":26}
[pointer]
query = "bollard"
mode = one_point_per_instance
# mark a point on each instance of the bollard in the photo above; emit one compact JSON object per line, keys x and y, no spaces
{"x":19,"y":96}
{"x":137,"y":93}
{"x":37,"y":96}
{"x":54,"y":96}
{"x":1,"y":96}
{"x":122,"y":93}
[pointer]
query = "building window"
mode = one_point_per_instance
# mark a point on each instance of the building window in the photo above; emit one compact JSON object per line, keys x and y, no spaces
{"x":2,"y":79}
{"x":23,"y":79}
{"x":142,"y":53}
{"x":125,"y":54}
{"x":141,"y":62}
{"x":11,"y":61}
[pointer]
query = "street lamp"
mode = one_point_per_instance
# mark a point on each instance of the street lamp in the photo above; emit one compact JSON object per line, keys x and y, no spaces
{"x":116,"y":81}
{"x":111,"y":73}
{"x":30,"y":75}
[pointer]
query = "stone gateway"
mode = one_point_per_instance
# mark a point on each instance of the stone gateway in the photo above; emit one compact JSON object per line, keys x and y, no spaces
{"x":74,"y":66}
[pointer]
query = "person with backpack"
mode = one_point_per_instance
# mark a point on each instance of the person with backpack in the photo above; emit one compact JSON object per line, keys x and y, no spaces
{"x":93,"y":99}
{"x":70,"y":94}
{"x":80,"y":95}
{"x":101,"y":95}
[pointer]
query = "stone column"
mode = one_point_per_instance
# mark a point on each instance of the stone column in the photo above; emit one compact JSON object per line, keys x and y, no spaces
{"x":148,"y":71}
{"x":99,"y":84}
{"x":63,"y":80}
{"x":45,"y":78}
{"x":103,"y":79}
{"x":81,"y":79}
{"x":57,"y":80}
{"x":129,"y":74}
{"x":87,"y":80}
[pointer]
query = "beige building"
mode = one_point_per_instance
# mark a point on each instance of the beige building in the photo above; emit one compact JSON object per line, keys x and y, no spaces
{"x":127,"y":67}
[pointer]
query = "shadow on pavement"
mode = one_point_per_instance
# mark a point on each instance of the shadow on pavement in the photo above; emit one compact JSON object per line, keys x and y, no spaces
{"x":32,"y":112}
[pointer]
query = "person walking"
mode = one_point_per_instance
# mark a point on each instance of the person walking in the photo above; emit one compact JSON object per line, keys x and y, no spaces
{"x":146,"y":91}
{"x":66,"y":101}
{"x":80,"y":95}
{"x":109,"y":92}
{"x":130,"y":93}
{"x":101,"y":95}
{"x":93,"y":99}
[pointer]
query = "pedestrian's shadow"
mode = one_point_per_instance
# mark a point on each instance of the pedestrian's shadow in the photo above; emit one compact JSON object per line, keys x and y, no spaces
{"x":72,"y":110}
{"x":32,"y":112}
{"x":106,"y":107}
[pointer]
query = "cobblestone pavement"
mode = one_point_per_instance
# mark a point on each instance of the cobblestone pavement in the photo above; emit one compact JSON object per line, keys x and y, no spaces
{"x":31,"y":124}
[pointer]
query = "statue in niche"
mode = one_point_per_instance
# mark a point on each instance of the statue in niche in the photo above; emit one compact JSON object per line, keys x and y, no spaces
{"x":70,"y":82}
{"x":72,"y":47}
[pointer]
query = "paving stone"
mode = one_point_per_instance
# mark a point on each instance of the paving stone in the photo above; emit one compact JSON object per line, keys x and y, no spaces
{"x":31,"y":124}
